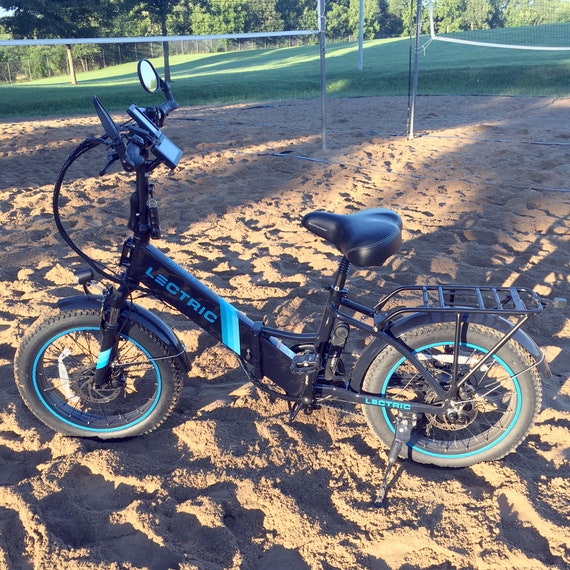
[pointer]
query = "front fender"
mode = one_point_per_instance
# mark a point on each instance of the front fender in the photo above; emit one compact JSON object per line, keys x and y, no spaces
{"x":419,"y":319}
{"x":133,"y":313}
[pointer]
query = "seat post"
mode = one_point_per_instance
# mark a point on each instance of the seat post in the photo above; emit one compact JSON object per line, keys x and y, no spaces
{"x":336,"y":293}
{"x":341,"y":274}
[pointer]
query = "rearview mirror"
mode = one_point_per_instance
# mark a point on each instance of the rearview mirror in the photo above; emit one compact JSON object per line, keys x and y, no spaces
{"x":148,"y":76}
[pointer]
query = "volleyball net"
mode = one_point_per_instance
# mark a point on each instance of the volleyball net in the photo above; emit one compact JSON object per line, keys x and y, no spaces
{"x":512,"y":24}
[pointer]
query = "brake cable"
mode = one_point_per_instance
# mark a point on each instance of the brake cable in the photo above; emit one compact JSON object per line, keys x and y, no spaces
{"x":84,"y":147}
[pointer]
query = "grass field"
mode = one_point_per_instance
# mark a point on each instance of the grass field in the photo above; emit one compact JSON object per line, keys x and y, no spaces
{"x":294,"y":73}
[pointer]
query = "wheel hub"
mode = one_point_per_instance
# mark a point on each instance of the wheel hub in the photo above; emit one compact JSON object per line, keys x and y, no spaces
{"x":459,"y":414}
{"x":85,"y":389}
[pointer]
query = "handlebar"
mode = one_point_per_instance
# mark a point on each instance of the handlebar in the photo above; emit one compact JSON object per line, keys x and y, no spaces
{"x":130,"y":147}
{"x":132,"y":143}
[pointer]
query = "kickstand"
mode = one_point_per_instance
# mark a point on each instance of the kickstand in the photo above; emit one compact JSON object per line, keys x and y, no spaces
{"x":294,"y":409}
{"x":404,"y":426}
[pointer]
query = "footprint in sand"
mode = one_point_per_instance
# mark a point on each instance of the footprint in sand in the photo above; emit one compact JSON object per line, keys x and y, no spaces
{"x":524,"y":528}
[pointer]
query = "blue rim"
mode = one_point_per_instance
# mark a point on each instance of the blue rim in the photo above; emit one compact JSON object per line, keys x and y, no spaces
{"x":84,"y":415}
{"x":471,"y":453}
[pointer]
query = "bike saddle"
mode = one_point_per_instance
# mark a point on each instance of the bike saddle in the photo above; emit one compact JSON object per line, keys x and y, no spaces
{"x":365,"y":238}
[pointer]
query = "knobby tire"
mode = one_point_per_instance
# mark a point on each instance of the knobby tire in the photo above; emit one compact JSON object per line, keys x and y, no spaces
{"x":497,"y":407}
{"x":54,"y":368}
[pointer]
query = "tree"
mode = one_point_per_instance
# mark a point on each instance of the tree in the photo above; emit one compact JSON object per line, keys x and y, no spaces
{"x":373,"y":15}
{"x":220,"y":17}
{"x":396,"y":12}
{"x":180,"y":18}
{"x":293,"y":12}
{"x":41,"y":19}
{"x":343,"y":19}
{"x":337,"y":19}
{"x":478,"y":14}
{"x":448,"y":15}
{"x":158,"y":12}
{"x":535,"y":12}
{"x":262,"y":16}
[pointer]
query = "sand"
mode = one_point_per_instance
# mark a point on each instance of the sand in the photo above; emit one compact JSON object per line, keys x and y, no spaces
{"x":227,"y":481}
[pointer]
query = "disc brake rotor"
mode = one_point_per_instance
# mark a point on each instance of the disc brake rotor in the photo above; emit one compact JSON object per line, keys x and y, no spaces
{"x":87,"y":392}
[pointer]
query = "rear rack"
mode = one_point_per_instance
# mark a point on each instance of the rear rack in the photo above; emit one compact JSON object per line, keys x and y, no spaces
{"x":458,"y":299}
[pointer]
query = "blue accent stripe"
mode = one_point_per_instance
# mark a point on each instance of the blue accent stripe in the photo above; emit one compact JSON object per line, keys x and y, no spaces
{"x":103,"y":359}
{"x":230,"y":326}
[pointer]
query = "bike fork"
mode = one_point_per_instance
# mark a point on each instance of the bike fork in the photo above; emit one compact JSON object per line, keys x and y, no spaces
{"x":109,"y":330}
{"x":404,"y":425}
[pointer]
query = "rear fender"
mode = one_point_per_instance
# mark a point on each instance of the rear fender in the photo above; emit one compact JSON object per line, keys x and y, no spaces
{"x":420,"y":319}
{"x":134,"y":314}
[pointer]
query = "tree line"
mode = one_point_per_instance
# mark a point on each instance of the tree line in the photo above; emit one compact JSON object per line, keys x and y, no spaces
{"x":38,"y":19}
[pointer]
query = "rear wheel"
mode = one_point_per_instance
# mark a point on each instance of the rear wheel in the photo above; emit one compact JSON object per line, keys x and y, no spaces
{"x":494,"y":408}
{"x":55,"y":366}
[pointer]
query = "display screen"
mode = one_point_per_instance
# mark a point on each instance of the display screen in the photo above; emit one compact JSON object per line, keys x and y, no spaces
{"x":163,"y":148}
{"x":143,"y":121}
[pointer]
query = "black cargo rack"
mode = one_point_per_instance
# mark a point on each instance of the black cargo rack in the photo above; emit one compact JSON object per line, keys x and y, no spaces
{"x":458,"y":299}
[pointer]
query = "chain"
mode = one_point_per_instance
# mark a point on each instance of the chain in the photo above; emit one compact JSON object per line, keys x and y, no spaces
{"x":339,"y":406}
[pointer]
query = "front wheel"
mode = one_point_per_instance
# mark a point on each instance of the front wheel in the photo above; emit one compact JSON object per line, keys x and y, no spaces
{"x":494,"y":408}
{"x":54,"y":368}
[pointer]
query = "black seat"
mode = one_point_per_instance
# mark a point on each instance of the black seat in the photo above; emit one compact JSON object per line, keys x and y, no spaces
{"x":366,"y":238}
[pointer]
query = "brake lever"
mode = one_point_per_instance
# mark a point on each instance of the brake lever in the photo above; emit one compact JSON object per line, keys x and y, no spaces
{"x":112,"y":159}
{"x":114,"y":135}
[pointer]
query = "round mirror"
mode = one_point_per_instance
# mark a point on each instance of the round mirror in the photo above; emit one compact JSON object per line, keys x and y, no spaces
{"x":148,"y":76}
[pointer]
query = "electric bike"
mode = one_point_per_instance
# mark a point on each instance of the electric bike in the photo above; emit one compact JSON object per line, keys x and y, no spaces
{"x":447,"y":376}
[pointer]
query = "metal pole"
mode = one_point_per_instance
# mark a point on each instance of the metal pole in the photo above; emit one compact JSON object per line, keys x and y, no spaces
{"x":322,"y":43}
{"x":416,"y":66}
{"x":361,"y":36}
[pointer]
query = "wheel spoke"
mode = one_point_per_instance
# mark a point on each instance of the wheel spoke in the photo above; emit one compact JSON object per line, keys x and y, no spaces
{"x":486,"y":412}
{"x":67,"y":369}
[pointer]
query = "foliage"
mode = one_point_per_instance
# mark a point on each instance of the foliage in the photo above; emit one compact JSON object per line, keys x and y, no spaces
{"x":462,"y":15}
{"x":382,"y":19}
{"x":56,"y":18}
{"x":221,"y":17}
{"x":536,"y":12}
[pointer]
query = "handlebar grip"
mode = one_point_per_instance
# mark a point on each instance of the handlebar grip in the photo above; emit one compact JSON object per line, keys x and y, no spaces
{"x":168,"y":106}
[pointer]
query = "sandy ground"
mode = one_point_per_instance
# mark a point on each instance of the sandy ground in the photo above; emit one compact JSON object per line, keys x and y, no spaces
{"x":227,"y":482}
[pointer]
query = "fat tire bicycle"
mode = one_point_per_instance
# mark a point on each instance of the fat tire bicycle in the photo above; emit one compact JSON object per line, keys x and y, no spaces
{"x":447,"y":377}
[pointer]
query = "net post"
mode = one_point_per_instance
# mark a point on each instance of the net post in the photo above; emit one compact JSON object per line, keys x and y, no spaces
{"x":361,"y":36}
{"x":322,"y":44}
{"x":416,"y":66}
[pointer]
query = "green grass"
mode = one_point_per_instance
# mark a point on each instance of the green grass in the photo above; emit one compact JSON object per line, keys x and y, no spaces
{"x":294,"y":73}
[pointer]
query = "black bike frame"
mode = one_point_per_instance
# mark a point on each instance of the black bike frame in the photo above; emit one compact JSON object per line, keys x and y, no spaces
{"x":261,"y":347}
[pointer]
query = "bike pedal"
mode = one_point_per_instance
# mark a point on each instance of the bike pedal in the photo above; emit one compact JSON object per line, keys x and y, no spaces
{"x":306,"y":361}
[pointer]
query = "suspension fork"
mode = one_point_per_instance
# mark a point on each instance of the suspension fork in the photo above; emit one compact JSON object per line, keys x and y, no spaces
{"x":110,"y":334}
{"x":143,"y":228}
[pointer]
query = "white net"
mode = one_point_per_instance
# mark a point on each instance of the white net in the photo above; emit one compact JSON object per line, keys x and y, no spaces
{"x":515,"y":24}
